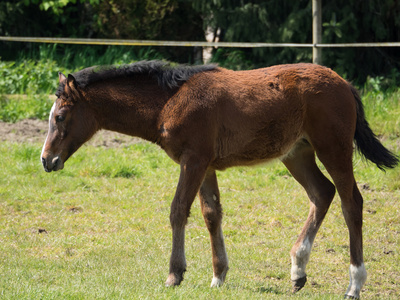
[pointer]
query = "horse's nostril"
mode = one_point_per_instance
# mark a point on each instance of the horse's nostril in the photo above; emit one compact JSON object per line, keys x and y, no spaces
{"x":55,"y":163}
{"x":44,"y":162}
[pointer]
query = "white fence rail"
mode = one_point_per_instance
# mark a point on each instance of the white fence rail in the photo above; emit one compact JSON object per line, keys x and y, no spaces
{"x":317,"y":47}
{"x":186,"y":43}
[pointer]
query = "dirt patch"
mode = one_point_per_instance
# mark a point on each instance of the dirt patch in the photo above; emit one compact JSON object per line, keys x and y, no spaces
{"x":35,"y":131}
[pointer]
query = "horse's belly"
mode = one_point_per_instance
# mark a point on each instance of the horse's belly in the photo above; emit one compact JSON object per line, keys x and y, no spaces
{"x":256,"y":152}
{"x":228,"y":162}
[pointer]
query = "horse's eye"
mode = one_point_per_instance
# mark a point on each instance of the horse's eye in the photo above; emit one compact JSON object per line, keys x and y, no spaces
{"x":59,"y":119}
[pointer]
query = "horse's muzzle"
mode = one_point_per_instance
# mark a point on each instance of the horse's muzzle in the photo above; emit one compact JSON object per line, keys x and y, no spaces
{"x":52,"y":164}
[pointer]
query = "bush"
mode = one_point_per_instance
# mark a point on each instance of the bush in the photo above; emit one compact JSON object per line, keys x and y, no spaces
{"x":21,"y":107}
{"x":28,"y":77}
{"x":37,"y":72}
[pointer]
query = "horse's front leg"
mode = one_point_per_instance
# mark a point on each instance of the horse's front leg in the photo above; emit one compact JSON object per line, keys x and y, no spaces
{"x":193,"y":169}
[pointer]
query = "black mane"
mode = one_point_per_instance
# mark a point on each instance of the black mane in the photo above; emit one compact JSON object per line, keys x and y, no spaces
{"x":167,"y":75}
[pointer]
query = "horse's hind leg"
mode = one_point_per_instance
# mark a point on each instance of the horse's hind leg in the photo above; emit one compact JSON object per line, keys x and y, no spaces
{"x":340,"y":167}
{"x":301,"y":164}
{"x":212,"y":213}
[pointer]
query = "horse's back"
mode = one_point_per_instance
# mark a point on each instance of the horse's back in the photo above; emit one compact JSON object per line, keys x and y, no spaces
{"x":266,"y":111}
{"x":246,"y":117}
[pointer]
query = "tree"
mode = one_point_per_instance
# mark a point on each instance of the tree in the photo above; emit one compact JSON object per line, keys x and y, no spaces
{"x":151,"y":20}
{"x":258,"y":21}
{"x":290,"y":21}
{"x":230,"y":20}
{"x":129,"y":19}
{"x":359,"y":21}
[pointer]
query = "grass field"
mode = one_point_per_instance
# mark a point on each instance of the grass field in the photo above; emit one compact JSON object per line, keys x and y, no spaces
{"x":100,"y":229}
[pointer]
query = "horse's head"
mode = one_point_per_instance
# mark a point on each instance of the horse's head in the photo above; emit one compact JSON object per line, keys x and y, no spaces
{"x":71,"y":123}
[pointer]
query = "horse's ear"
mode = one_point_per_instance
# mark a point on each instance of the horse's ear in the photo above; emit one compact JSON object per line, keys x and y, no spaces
{"x":61,"y":77}
{"x":72,"y":87}
{"x":71,"y":82}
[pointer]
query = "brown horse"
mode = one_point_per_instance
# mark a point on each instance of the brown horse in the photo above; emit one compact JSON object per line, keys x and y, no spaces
{"x":208,"y":118}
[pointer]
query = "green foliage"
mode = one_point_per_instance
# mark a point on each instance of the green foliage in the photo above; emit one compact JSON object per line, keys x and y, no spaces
{"x":258,"y":21}
{"x":57,"y":6}
{"x":38,"y":74}
{"x":382,"y":109}
{"x":27,"y":76}
{"x":234,"y":21}
{"x":235,"y":59}
{"x":290,"y":21}
{"x":333,"y":27}
{"x":30,"y":18}
{"x":76,"y":58}
{"x":14,"y":108}
{"x":131,"y":19}
{"x":151,"y":20}
{"x":141,"y":19}
{"x":362,"y":21}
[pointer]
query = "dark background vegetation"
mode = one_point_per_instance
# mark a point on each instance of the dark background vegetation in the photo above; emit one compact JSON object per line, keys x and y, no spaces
{"x":236,"y":21}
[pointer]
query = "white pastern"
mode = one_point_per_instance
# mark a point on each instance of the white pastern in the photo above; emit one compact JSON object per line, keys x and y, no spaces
{"x":50,"y":117}
{"x":300,"y":261}
{"x":216,"y":282}
{"x":358,"y":276}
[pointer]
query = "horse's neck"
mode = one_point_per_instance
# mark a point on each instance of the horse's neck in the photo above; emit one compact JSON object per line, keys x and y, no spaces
{"x":132,"y":110}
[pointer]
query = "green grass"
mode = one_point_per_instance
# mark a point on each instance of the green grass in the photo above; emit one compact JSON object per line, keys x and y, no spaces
{"x":99,"y":229}
{"x":106,"y":233}
{"x":383,"y":111}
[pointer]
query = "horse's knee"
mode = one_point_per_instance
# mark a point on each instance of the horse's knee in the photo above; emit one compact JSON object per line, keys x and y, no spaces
{"x":178,"y":218}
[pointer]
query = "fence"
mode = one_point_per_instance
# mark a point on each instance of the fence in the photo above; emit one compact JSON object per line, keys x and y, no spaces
{"x":189,"y":43}
{"x":316,"y":45}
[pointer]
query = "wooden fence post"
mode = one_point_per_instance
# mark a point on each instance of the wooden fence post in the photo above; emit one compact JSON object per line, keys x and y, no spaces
{"x":317,"y":31}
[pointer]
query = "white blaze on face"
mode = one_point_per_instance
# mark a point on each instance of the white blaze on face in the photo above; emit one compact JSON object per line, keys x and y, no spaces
{"x":50,"y":117}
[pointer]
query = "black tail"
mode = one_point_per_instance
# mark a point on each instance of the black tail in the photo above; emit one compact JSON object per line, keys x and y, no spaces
{"x":367,"y":142}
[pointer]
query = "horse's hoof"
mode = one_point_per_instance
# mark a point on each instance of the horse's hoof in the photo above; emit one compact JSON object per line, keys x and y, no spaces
{"x":350,"y":297}
{"x":218,"y":281}
{"x":298,"y":284}
{"x":173,"y":280}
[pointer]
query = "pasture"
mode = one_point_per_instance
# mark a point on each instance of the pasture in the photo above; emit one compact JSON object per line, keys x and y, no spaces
{"x":99,"y":229}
